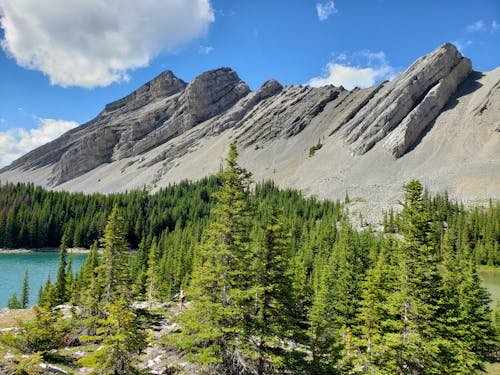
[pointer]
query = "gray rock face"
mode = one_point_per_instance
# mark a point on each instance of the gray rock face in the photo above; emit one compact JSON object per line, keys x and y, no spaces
{"x":415,"y":123}
{"x":208,"y":95}
{"x":394,"y":102}
{"x":212,"y":93}
{"x":171,"y":118}
{"x":163,"y":86}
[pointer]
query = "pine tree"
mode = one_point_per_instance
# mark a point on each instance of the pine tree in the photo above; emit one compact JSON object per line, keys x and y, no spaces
{"x":220,"y":282}
{"x":113,"y":270}
{"x":48,"y":298}
{"x":25,"y":291}
{"x":365,"y":350}
{"x":482,"y":338}
{"x":272,"y":309}
{"x":122,"y":341}
{"x":86,"y":275}
{"x":336,"y":300}
{"x":13,"y":302}
{"x":61,"y":292}
{"x":69,"y":278}
{"x":152,"y":274}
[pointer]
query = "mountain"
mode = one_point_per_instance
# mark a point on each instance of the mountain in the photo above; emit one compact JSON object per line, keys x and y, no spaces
{"x":439,"y":121}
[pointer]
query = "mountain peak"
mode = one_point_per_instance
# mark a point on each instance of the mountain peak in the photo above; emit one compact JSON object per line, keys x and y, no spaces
{"x":162,"y":86}
{"x":409,"y":103}
{"x":372,"y":140}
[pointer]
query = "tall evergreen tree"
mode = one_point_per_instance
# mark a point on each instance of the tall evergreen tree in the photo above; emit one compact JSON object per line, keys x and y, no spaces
{"x":113,"y":270}
{"x":61,"y":291}
{"x":153,"y":285}
{"x":25,"y":290}
{"x":220,"y":282}
{"x":271,"y":312}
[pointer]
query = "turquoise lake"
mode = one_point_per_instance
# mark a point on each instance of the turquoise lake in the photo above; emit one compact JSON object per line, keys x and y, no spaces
{"x":39,"y":266}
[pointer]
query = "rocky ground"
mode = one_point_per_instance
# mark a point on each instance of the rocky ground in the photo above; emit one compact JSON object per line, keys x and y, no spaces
{"x":156,"y":358}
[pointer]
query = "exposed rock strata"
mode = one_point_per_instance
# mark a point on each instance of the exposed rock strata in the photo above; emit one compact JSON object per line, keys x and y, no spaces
{"x":397,"y":99}
{"x":445,"y":123}
{"x":414,"y":124}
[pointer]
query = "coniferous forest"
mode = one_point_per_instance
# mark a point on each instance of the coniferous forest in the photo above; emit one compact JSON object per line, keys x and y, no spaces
{"x":274,"y":283}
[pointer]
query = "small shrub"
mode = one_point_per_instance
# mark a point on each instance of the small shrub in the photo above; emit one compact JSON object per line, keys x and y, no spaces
{"x":315,"y":148}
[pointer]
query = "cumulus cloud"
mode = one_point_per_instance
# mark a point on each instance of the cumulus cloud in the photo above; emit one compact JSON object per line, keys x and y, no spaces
{"x":17,"y":142}
{"x":325,"y":10}
{"x":95,"y":42}
{"x":361,"y":69}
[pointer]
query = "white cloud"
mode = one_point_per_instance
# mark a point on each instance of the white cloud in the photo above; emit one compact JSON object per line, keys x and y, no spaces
{"x":205,"y":50}
{"x":95,"y":42}
{"x":368,"y":69}
{"x":481,"y":26}
{"x":325,"y":10}
{"x":17,"y":142}
{"x":476,"y":26}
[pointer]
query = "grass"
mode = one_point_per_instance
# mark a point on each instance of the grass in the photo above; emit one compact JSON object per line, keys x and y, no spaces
{"x":493,"y":368}
{"x":13,"y":318}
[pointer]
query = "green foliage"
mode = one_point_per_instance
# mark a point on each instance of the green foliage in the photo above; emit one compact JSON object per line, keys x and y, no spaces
{"x":113,"y":270}
{"x":28,"y":365}
{"x":423,"y":310}
{"x":13,"y":302}
{"x":315,"y":148}
{"x":25,"y":291}
{"x":43,"y":333}
{"x":121,"y":341}
{"x":270,"y":315}
{"x":61,"y":295}
{"x":269,"y":276}
{"x":220,"y":280}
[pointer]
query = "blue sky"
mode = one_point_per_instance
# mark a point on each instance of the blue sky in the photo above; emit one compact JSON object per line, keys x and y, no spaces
{"x":61,"y":61}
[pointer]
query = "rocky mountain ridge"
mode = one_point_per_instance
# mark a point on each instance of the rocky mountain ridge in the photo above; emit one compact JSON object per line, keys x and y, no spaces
{"x":168,"y":130}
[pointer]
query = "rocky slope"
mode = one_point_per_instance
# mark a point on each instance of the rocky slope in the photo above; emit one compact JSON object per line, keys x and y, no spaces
{"x":438,"y":121}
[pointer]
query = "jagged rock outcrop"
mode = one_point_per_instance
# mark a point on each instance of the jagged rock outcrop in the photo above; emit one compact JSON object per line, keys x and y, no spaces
{"x":413,"y":125}
{"x":163,"y":86}
{"x":442,"y":118}
{"x":395,"y":101}
{"x":208,"y":95}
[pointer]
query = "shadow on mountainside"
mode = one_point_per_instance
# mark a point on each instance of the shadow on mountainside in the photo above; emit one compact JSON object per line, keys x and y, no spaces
{"x":467,"y":87}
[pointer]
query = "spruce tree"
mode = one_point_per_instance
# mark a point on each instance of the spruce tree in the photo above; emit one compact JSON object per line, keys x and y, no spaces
{"x":271,"y":312}
{"x":13,"y":302}
{"x":25,"y":291}
{"x":61,"y":292}
{"x":365,"y":350}
{"x":220,"y":281}
{"x":86,"y":275}
{"x":69,"y":278}
{"x":122,"y":340}
{"x":152,"y":275}
{"x":113,"y":269}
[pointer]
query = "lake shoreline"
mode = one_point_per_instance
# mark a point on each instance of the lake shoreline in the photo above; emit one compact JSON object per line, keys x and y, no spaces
{"x":71,"y":250}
